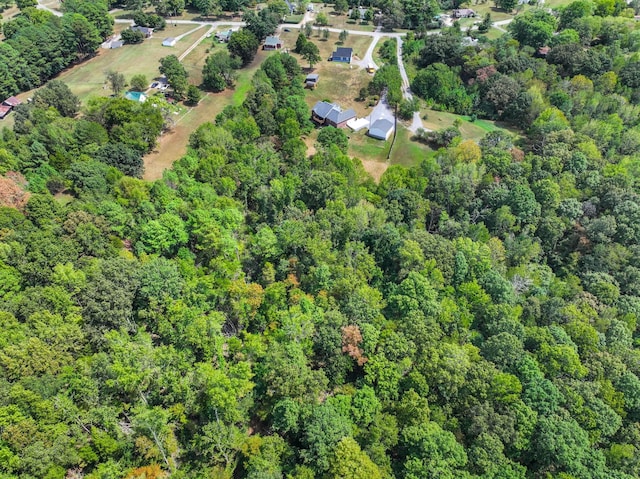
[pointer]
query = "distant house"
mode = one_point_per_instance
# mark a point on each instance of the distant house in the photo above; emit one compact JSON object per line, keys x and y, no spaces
{"x":224,"y":36}
{"x":381,"y":129}
{"x":342,"y":54}
{"x":329,"y":114}
{"x":146,"y":31}
{"x":136,"y":96}
{"x":463,"y":13}
{"x":4,"y":111}
{"x":272,"y":43}
{"x":169,"y":42}
{"x":312,"y":80}
{"x":116,"y":44}
{"x":12,"y":101}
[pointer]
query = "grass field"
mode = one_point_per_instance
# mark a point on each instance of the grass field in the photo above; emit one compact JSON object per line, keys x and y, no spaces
{"x":437,"y":120}
{"x":373,"y":153}
{"x":88,"y":78}
{"x":339,"y":82}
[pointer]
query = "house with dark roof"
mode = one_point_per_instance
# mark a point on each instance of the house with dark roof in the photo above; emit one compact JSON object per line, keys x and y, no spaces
{"x":342,"y":54}
{"x":272,"y":43}
{"x":146,"y":31}
{"x":312,"y":80}
{"x":12,"y":101}
{"x":381,"y":129}
{"x":4,"y":111}
{"x":330,"y":114}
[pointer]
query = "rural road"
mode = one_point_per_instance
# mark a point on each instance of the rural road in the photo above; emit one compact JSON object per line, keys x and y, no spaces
{"x":416,"y":122}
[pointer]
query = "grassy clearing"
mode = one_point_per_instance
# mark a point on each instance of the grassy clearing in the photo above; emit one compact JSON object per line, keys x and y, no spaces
{"x":407,"y":152}
{"x":343,"y":21}
{"x":88,"y":79}
{"x":437,"y":120}
{"x":373,"y":153}
{"x":293,"y":18}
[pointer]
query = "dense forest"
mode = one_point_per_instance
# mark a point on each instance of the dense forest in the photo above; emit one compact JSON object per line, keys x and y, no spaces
{"x":261,"y":313}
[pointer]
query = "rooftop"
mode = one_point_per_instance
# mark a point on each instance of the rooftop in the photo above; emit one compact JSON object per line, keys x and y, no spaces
{"x":272,"y":41}
{"x":343,"y":52}
{"x":12,"y":101}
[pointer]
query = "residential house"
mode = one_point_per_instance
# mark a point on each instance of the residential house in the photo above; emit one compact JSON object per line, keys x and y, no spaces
{"x":12,"y":101}
{"x":342,"y":54}
{"x":312,"y":80}
{"x":224,"y":36}
{"x":463,"y":13}
{"x":469,"y":42}
{"x":146,"y":31}
{"x":381,"y":129}
{"x":330,"y":114}
{"x":169,"y":42}
{"x":272,"y":43}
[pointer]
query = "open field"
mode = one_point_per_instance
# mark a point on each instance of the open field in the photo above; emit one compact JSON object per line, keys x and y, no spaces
{"x":87,"y":79}
{"x":437,"y":120}
{"x":373,"y":153}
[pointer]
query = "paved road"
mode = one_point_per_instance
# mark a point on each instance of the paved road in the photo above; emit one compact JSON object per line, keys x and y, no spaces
{"x":57,"y":13}
{"x":368,"y":56}
{"x":416,"y":122}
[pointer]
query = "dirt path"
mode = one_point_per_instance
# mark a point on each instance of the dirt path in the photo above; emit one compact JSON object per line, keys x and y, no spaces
{"x":170,"y":148}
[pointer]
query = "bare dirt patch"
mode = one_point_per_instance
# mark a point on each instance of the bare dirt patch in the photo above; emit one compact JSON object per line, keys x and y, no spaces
{"x":375,"y":168}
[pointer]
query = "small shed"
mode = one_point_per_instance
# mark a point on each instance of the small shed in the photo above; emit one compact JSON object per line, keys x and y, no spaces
{"x":169,"y":42}
{"x":146,"y":31}
{"x":4,"y":111}
{"x":12,"y":101}
{"x":312,"y":80}
{"x":116,"y":44}
{"x":272,"y":43}
{"x":381,"y":129}
{"x":357,"y":124}
{"x":342,"y":54}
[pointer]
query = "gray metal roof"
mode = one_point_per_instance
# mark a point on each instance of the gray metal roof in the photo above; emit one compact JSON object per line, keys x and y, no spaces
{"x":338,"y":116}
{"x":145,"y":30}
{"x":332,"y":112}
{"x":380,"y":128}
{"x":272,"y":41}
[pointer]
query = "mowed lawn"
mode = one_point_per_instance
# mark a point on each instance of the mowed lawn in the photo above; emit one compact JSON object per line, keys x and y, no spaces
{"x":88,"y":78}
{"x":476,"y":130}
{"x":339,"y":82}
